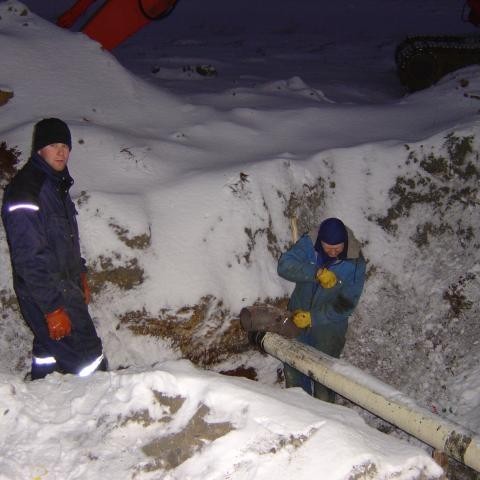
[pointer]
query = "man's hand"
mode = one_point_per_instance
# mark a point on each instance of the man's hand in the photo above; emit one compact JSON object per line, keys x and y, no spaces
{"x":326,"y":278}
{"x":302,"y":318}
{"x":87,"y":295}
{"x":58,"y":323}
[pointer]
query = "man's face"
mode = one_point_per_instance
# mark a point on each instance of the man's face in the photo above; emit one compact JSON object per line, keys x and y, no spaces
{"x":333,"y":250}
{"x":56,"y":155}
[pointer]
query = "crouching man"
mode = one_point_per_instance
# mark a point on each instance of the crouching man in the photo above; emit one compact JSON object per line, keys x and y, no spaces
{"x":49,"y":274}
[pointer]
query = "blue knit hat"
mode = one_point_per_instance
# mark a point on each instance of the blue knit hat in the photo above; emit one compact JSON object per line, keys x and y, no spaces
{"x":332,"y":231}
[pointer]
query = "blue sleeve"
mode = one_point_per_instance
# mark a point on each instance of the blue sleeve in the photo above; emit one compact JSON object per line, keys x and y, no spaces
{"x":348,"y":295}
{"x":298,"y":264}
{"x":83,"y":262}
{"x":33,"y":260}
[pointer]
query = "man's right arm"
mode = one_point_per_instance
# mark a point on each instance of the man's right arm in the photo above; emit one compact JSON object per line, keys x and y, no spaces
{"x":297,"y":264}
{"x":32,"y":257}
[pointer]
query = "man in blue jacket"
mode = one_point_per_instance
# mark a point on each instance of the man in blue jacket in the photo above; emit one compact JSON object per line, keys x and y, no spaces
{"x":329,"y":273}
{"x":49,"y":274}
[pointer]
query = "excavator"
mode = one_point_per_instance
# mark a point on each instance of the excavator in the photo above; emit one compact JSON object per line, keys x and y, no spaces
{"x":116,"y":20}
{"x":421,"y":60}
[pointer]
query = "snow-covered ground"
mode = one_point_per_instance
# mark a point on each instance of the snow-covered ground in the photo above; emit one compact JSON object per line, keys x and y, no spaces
{"x":184,"y":185}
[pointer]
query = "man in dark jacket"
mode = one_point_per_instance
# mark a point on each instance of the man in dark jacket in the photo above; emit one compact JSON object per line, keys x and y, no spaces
{"x":49,"y":274}
{"x":329,"y":273}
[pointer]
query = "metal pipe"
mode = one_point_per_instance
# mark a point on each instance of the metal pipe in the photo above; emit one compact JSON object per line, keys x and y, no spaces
{"x":375,"y":396}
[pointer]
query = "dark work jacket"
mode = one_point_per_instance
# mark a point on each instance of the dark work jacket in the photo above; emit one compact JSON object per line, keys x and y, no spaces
{"x":42,"y":233}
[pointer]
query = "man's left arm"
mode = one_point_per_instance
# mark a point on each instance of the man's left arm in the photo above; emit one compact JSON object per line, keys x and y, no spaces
{"x":344,"y":302}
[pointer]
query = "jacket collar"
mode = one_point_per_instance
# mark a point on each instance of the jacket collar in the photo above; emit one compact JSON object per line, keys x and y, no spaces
{"x":63,"y":177}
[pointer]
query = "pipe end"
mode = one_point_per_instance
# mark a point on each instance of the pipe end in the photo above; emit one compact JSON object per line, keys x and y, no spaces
{"x":256,"y":339}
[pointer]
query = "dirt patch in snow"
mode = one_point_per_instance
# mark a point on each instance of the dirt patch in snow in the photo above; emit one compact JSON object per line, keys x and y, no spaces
{"x":204,"y":333}
{"x":171,"y":450}
{"x":9,"y":162}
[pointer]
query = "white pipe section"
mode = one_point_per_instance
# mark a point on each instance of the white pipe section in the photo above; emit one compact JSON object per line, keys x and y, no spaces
{"x":375,"y":396}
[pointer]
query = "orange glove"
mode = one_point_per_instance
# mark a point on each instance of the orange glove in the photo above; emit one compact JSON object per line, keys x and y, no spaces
{"x":87,"y":295}
{"x":58,"y":323}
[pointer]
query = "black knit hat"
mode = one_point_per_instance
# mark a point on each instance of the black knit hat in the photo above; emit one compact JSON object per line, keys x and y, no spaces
{"x":49,"y":131}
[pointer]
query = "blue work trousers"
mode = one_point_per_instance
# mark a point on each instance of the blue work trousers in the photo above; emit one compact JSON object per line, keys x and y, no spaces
{"x":327,"y":338}
{"x":71,"y":354}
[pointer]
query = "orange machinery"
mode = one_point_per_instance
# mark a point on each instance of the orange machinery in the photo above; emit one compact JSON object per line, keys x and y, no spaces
{"x":116,"y":20}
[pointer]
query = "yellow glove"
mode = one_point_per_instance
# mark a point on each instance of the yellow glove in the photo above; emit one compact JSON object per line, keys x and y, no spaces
{"x":302,"y":318}
{"x":326,"y":278}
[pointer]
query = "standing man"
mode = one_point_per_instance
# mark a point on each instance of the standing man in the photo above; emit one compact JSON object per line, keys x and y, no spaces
{"x":49,"y":274}
{"x":329,"y":276}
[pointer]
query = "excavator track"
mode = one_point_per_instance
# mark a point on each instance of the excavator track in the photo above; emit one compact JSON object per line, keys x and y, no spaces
{"x":423,"y":60}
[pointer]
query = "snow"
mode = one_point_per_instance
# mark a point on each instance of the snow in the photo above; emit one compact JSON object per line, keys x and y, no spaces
{"x":106,"y":425}
{"x":183,"y":183}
